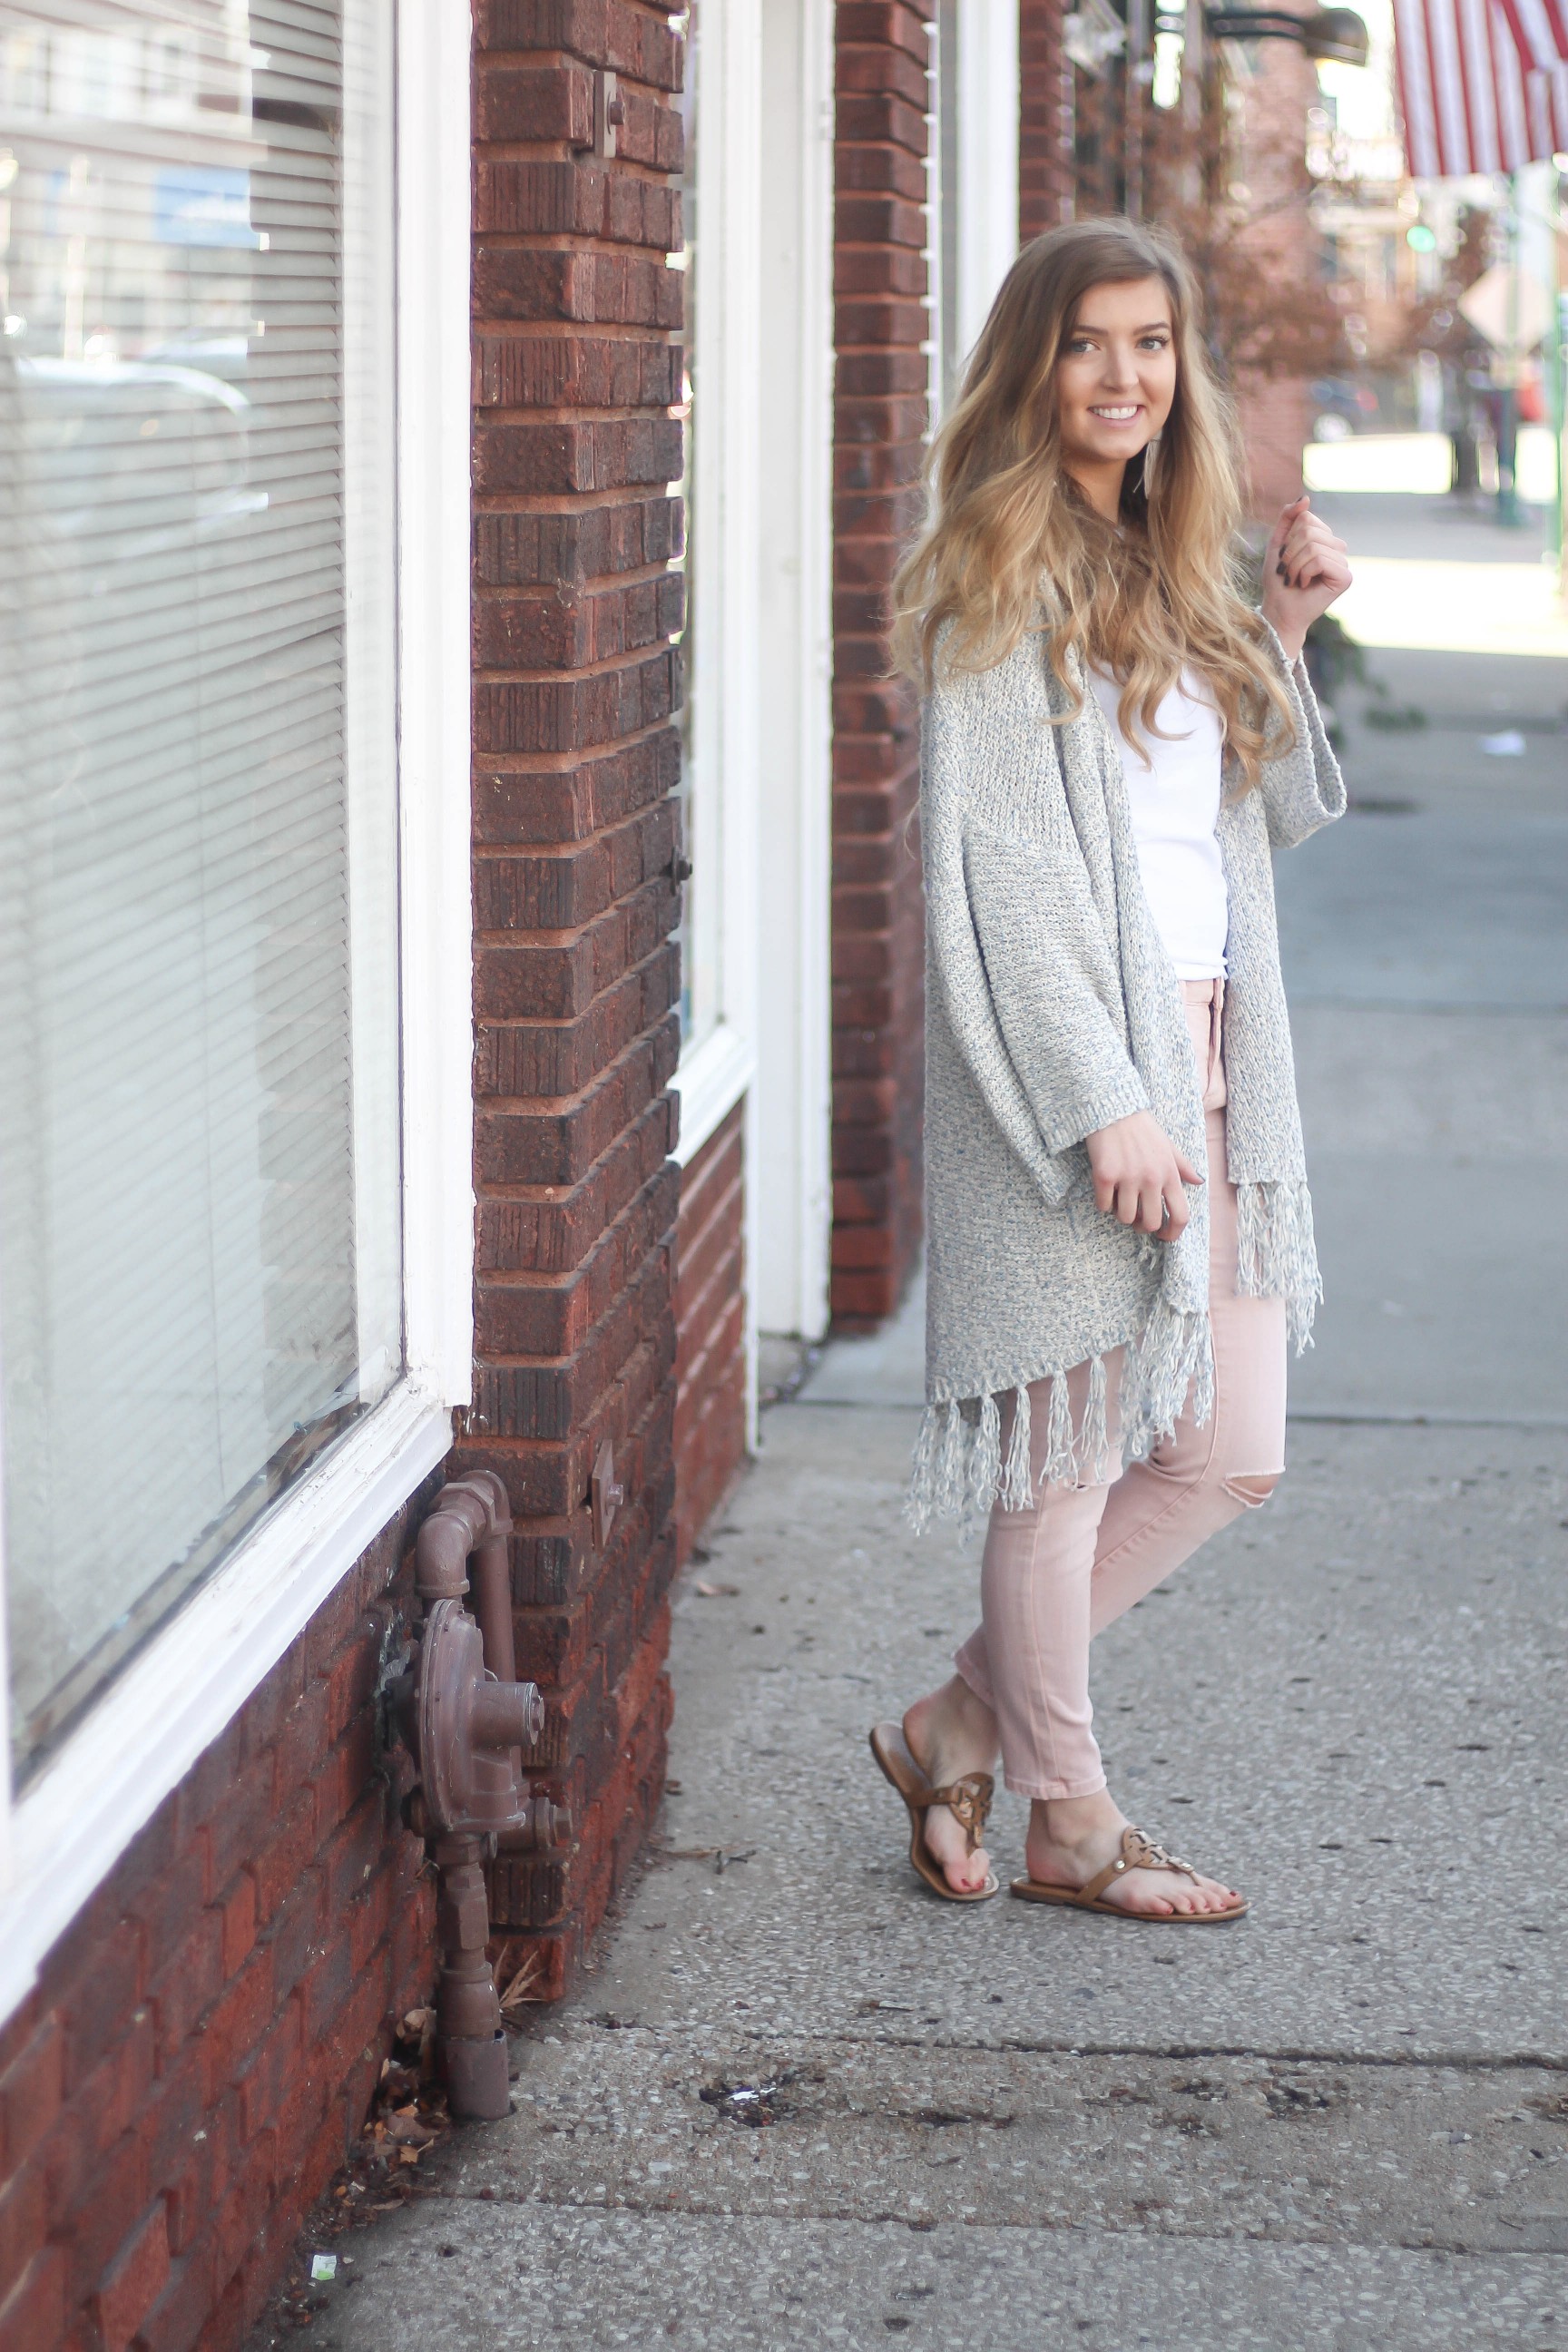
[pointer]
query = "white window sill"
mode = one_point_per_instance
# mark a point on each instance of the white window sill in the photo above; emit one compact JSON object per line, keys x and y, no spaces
{"x":72,"y":1823}
{"x":711,"y":1080}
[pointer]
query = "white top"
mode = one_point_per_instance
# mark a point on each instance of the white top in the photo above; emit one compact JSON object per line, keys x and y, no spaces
{"x":1173,"y":796}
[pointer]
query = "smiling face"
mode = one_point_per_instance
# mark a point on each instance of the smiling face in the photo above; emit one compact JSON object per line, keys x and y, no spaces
{"x":1115,"y":382}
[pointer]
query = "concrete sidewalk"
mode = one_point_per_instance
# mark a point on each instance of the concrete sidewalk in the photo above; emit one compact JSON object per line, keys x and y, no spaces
{"x":801,"y":2102}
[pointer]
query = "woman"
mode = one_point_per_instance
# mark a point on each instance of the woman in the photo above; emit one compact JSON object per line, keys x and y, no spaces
{"x":1119,"y":1230}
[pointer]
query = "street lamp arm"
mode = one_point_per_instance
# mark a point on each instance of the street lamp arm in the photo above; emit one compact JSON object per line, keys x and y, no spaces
{"x":1255,"y":24}
{"x":1337,"y":33}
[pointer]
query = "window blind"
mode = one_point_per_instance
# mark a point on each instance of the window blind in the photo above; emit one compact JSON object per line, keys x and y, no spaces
{"x":200,"y":1280}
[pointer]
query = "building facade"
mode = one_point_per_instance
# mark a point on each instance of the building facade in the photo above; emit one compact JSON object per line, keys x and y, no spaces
{"x":1147,"y":114}
{"x":463,"y":973}
{"x":462,"y":967}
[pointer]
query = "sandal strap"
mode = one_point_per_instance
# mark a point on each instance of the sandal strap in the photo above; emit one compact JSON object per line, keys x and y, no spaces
{"x":968,"y":1800}
{"x":1138,"y":1853}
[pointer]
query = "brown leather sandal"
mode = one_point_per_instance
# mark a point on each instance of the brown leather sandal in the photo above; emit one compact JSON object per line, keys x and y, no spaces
{"x":1138,"y":1853}
{"x":968,"y":1799}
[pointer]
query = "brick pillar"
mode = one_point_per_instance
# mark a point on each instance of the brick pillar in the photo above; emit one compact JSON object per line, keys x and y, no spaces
{"x":575,"y":370}
{"x":1278,"y":243}
{"x":883,"y":54}
{"x":1045,"y":119}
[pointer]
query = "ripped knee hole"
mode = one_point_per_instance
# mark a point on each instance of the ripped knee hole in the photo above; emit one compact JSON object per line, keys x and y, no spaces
{"x":1253,"y":1491}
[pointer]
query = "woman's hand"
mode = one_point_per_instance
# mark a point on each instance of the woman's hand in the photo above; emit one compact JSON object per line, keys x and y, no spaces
{"x":1304,"y":569}
{"x":1139,"y":1175}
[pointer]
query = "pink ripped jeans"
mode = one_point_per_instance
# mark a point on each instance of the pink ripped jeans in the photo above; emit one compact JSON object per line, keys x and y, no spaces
{"x":1052,"y":1577}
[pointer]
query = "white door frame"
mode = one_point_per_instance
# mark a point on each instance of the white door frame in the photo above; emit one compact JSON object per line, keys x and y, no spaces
{"x":790,"y":1182}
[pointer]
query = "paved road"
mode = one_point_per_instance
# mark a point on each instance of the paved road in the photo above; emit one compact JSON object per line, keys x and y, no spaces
{"x":1426,"y":954}
{"x":1344,"y":2124}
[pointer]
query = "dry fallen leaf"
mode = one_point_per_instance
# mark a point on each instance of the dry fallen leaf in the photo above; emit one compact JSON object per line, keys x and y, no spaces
{"x":716,"y":1592}
{"x":406,"y":2128}
{"x":518,"y":1992}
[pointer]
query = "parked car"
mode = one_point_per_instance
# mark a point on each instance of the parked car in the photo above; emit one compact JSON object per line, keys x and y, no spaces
{"x":136,"y":454}
{"x":1342,"y":407}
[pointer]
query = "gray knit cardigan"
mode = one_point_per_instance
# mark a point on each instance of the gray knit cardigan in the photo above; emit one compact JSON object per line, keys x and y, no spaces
{"x":1052,"y":1008}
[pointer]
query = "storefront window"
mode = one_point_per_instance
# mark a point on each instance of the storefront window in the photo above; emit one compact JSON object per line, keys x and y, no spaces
{"x":200,"y":1255}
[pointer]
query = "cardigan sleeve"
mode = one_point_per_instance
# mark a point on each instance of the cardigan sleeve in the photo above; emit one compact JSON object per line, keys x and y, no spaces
{"x":1302,"y":790}
{"x":1017,"y":948}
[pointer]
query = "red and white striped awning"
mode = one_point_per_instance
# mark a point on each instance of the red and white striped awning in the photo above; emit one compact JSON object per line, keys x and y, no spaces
{"x":1483,"y":86}
{"x":1540,"y":29}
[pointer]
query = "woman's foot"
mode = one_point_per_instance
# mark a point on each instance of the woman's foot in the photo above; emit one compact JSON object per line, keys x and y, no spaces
{"x":1071,"y":1838}
{"x":948,"y":1733}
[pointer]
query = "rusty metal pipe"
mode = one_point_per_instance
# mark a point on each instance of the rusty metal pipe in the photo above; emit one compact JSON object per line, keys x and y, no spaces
{"x":445,"y":1540}
{"x":492,"y":1606}
{"x":544,"y":1828}
{"x":467,"y":1719}
{"x":507,"y":1715}
{"x":490,"y":1576}
{"x":490,"y":1572}
{"x":470,"y":2038}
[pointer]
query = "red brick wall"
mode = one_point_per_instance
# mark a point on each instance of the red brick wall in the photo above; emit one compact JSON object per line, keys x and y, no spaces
{"x":575,"y":367}
{"x":880,"y":419}
{"x":711,"y":1336}
{"x":202,"y":2046}
{"x":1267,"y":143}
{"x":1045,"y":119}
{"x":1269,"y":158}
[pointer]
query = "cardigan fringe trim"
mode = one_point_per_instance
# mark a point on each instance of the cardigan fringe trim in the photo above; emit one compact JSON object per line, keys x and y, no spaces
{"x":958,"y":1471}
{"x":1018,"y":1493}
{"x":1276,"y":1253}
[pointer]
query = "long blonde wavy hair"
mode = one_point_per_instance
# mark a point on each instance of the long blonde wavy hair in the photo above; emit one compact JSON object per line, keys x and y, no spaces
{"x":1013,"y":545}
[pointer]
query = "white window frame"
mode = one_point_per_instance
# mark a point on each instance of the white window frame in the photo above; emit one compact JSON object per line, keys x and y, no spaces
{"x":63,"y":1834}
{"x":717,"y":1068}
{"x":790,"y":1175}
{"x":987,"y":159}
{"x":979,"y":243}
